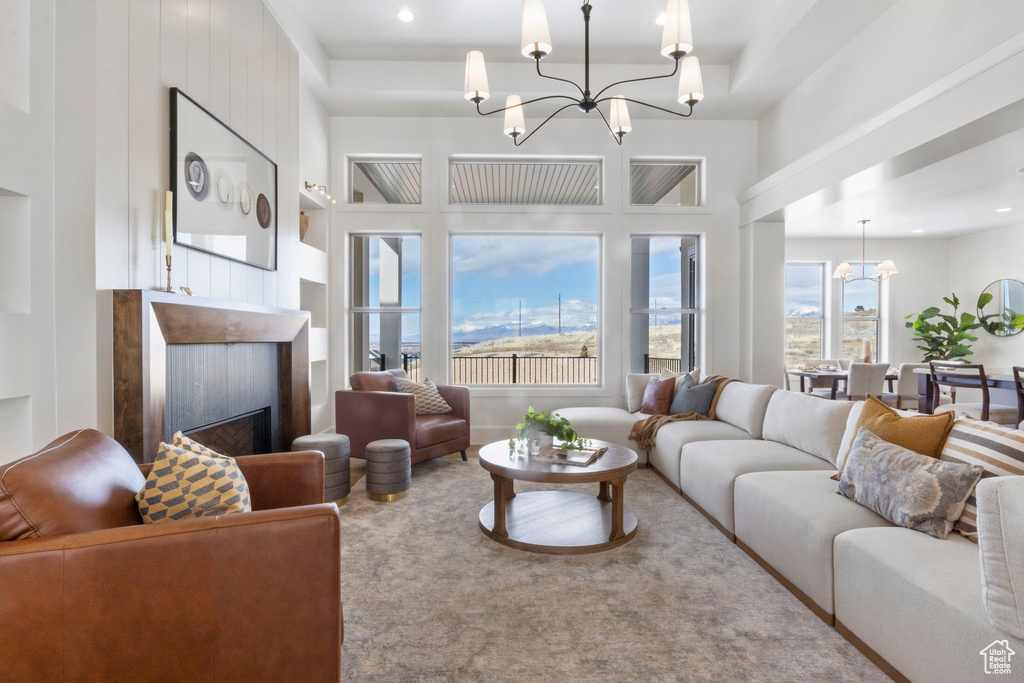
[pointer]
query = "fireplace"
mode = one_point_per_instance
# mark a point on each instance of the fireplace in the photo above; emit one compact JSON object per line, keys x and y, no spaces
{"x":208,"y":367}
{"x":243,"y":435}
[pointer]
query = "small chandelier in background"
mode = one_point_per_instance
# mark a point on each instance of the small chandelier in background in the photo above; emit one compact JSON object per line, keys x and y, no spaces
{"x":676,"y":42}
{"x":846,"y":273}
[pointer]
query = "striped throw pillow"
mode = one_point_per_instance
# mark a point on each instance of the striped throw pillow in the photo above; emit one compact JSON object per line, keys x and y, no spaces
{"x":998,"y":449}
{"x":428,"y":400}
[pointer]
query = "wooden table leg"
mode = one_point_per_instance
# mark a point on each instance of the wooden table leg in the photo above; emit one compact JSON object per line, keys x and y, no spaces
{"x":835,"y":386}
{"x":510,"y":489}
{"x":803,"y":387}
{"x":603,"y":495}
{"x":500,"y":501}
{"x":617,"y":509}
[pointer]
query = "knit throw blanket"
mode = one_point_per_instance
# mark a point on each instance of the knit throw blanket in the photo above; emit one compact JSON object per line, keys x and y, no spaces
{"x":644,"y":431}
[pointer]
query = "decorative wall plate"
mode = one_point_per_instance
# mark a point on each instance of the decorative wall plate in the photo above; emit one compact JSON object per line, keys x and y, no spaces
{"x":244,"y":197}
{"x":225,"y":189}
{"x":263,"y":211}
{"x":197,"y":176}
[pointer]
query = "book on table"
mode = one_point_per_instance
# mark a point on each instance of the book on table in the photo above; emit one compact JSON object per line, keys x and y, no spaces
{"x":563,"y":456}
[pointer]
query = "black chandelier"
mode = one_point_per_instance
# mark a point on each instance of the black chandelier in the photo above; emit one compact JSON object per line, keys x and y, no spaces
{"x":676,"y":43}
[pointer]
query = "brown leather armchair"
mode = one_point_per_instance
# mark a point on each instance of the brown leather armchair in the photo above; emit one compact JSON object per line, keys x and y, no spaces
{"x":89,"y":593}
{"x":374,"y":410}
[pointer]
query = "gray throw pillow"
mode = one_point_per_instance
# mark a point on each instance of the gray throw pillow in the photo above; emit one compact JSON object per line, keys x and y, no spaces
{"x":692,"y":397}
{"x":907,"y":488}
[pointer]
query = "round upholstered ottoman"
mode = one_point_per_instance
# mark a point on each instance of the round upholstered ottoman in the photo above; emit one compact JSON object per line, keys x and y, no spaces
{"x":388,"y":469}
{"x":336,"y":463}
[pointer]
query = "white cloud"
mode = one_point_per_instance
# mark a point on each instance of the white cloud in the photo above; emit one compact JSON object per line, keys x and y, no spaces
{"x":575,"y":313}
{"x":502,"y":257}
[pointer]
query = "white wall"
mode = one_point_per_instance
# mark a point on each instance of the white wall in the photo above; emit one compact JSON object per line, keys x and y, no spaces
{"x":975,"y":262}
{"x":314,"y":139}
{"x":233,"y":58}
{"x":729,"y":147}
{"x":922,"y":282}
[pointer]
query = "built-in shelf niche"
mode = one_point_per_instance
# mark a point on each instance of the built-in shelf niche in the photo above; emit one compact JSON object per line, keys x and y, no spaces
{"x":16,"y":427}
{"x":318,"y":382}
{"x":313,"y":298}
{"x":14,"y":53}
{"x":317,"y":209}
{"x":15,"y":253}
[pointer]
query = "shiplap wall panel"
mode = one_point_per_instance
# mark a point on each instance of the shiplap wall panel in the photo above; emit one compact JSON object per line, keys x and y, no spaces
{"x":231,"y":57}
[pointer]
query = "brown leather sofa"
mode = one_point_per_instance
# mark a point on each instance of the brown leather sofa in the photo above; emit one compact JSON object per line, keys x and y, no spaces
{"x":90,"y":593}
{"x":374,"y":410}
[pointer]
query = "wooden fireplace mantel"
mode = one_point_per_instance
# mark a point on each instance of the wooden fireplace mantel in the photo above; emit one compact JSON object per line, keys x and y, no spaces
{"x":146,"y":321}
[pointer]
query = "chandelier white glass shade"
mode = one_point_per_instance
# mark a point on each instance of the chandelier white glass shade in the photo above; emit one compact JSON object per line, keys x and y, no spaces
{"x":677,"y":43}
{"x":476,"y":77}
{"x":846,"y":273}
{"x":536,"y":36}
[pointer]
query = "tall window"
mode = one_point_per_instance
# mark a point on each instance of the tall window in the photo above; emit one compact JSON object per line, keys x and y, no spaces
{"x":805,"y":312}
{"x":861,"y":317}
{"x":386,"y":302}
{"x":664,"y":303}
{"x":525,"y":310}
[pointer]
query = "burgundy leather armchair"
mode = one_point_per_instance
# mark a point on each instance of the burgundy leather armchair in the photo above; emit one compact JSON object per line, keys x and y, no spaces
{"x":89,"y":593}
{"x":374,"y":410}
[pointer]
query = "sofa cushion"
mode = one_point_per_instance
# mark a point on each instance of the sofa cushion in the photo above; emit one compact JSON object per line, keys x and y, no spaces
{"x":691,"y":397}
{"x":672,"y":437}
{"x":806,"y":422}
{"x":707,"y":470}
{"x":658,"y":395}
{"x":1001,"y":536}
{"x":790,"y":520}
{"x":744,"y":405}
{"x":377,"y":381}
{"x":428,"y":400}
{"x":998,"y":450}
{"x":190,"y":481}
{"x":636,"y":384}
{"x":907,"y":488}
{"x":916,"y":601}
{"x":604,"y":424}
{"x":82,"y":481}
{"x":434,"y":429}
{"x":922,"y":434}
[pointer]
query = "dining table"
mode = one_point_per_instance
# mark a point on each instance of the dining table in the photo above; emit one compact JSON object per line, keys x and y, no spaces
{"x":835,"y":376}
{"x":999,"y":379}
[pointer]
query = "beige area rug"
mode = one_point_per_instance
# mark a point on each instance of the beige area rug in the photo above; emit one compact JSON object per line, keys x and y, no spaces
{"x":427,"y":597}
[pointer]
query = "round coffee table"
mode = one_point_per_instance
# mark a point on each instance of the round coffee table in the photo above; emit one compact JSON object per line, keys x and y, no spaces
{"x":558,"y":522}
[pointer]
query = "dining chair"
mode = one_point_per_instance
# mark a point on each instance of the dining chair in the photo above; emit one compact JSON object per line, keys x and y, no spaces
{"x":1018,"y":383}
{"x":861,"y":379}
{"x":906,"y":394}
{"x":963,"y":376}
{"x":819,"y":382}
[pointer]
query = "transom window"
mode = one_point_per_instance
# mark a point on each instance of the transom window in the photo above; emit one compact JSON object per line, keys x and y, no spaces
{"x":658,"y":182}
{"x":524,"y":309}
{"x":385,"y":180}
{"x":664,"y":303}
{"x":525,"y":181}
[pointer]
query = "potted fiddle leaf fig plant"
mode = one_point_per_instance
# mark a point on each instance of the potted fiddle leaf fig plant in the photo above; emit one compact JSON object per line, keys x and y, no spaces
{"x":944,"y":336}
{"x":539,"y":430}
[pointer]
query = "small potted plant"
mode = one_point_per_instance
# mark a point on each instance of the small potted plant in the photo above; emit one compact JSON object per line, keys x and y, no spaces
{"x":537,"y":431}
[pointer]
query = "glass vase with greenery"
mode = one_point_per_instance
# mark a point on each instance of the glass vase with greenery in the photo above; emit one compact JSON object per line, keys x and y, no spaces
{"x":944,"y":336}
{"x":535,"y":424}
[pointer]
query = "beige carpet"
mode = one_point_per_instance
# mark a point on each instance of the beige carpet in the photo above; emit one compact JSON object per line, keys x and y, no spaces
{"x":428,"y":597}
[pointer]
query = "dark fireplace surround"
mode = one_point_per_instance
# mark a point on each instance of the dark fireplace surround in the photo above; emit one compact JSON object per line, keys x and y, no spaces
{"x":234,"y":376}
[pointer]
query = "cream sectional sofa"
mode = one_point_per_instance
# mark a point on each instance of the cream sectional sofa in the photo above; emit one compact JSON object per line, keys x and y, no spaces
{"x":761,"y":473}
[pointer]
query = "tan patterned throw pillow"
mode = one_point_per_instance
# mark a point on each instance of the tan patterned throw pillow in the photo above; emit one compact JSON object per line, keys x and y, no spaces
{"x":428,"y":400}
{"x":997,"y":449}
{"x":191,"y":481}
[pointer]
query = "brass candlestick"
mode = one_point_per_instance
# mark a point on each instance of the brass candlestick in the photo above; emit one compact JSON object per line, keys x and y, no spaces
{"x":168,"y":259}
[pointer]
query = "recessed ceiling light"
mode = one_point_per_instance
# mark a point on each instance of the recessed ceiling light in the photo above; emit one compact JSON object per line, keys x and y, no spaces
{"x":917,"y":232}
{"x":660,"y":21}
{"x":405,"y":15}
{"x":1005,"y":209}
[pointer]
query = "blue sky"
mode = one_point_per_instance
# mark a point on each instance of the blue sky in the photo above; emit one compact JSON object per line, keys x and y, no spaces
{"x":803,"y":290}
{"x":492,"y":274}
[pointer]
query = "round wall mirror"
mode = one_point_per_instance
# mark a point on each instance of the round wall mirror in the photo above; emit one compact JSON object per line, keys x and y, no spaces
{"x":1001,"y":308}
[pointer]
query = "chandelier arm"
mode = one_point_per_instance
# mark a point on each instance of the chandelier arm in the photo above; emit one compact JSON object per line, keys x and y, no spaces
{"x":644,"y":104}
{"x":518,"y":142}
{"x":637,"y":80}
{"x":617,"y":138}
{"x":556,"y":78}
{"x":523,"y":104}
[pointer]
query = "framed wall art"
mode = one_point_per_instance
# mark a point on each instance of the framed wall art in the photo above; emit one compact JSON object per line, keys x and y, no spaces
{"x":225,"y":190}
